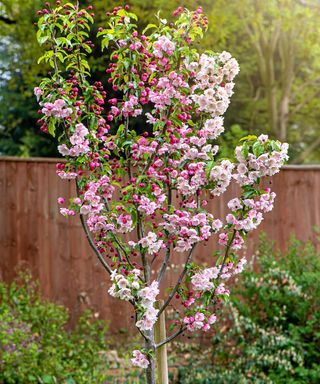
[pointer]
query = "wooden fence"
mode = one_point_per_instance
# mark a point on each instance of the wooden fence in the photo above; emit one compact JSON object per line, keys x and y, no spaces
{"x":33,"y":234}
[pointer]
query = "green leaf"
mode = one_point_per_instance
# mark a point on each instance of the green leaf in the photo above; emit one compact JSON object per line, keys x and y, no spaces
{"x":245,"y":150}
{"x":70,"y":381}
{"x":60,"y":57}
{"x":257,"y":148}
{"x":47,"y":379}
{"x":209,"y":166}
{"x":127,"y":142}
{"x":134,"y":217}
{"x":87,"y":48}
{"x":120,"y":130}
{"x":90,"y":18}
{"x":41,"y":39}
{"x":249,"y":138}
{"x":52,"y":127}
{"x":100,"y":33}
{"x":105,"y":43}
{"x":123,"y":12}
{"x":149,"y":26}
{"x":275,"y":146}
{"x":41,"y":58}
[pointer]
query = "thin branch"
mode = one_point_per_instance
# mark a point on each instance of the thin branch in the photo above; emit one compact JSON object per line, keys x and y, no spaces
{"x":54,"y":49}
{"x":168,"y":252}
{"x":169,"y":193}
{"x":7,"y":20}
{"x":115,"y":236}
{"x":305,"y":101}
{"x":90,"y":240}
{"x":307,"y":151}
{"x":164,"y":265}
{"x":182,"y":275}
{"x":93,"y":246}
{"x":164,"y":130}
{"x":121,"y":248}
{"x":226,"y":255}
{"x":173,"y":336}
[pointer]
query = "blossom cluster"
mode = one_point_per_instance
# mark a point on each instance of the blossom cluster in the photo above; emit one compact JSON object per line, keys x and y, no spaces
{"x":214,"y":77}
{"x":207,"y":281}
{"x":189,"y":229}
{"x":130,"y":287}
{"x":253,"y":208}
{"x":221,"y":176}
{"x":204,"y":280}
{"x":150,"y":243}
{"x":80,"y":145}
{"x":163,"y":46}
{"x":139,"y":359}
{"x":259,"y":162}
{"x":56,"y":109}
{"x":199,"y":322}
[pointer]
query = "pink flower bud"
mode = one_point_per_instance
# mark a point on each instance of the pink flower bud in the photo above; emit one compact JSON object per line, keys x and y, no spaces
{"x":60,"y":200}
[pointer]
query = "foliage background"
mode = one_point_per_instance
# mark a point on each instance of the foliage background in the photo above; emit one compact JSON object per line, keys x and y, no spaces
{"x":268,"y":334}
{"x":272,"y":336}
{"x":277,"y":90}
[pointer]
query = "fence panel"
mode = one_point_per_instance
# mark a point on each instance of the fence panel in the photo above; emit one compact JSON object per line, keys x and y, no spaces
{"x":33,"y":234}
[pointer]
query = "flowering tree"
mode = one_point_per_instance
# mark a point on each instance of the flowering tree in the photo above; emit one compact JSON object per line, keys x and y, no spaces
{"x":125,"y":181}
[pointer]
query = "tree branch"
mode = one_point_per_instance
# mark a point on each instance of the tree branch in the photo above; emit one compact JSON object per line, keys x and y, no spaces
{"x":184,"y":271}
{"x":173,"y":336}
{"x":90,"y":240}
{"x":7,"y":20}
{"x":93,"y":246}
{"x":307,"y":151}
{"x":164,"y":265}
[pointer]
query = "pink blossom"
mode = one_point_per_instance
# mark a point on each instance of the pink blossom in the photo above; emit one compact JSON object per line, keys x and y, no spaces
{"x":60,"y":200}
{"x":163,"y":45}
{"x":148,"y":294}
{"x":223,"y":239}
{"x":37,"y":92}
{"x":212,"y":319}
{"x":151,"y":243}
{"x":67,"y":175}
{"x":189,"y":302}
{"x":148,"y":319}
{"x":139,"y":359}
{"x":57,"y":109}
{"x":206,"y":327}
{"x":234,"y":204}
{"x":64,"y":211}
{"x":125,"y":223}
{"x":147,"y":206}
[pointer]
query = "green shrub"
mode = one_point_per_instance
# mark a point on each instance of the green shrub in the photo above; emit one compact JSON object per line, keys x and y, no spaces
{"x":273,"y":334}
{"x":35,"y":345}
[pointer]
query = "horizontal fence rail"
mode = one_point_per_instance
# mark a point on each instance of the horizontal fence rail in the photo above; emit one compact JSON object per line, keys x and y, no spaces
{"x":34,"y":235}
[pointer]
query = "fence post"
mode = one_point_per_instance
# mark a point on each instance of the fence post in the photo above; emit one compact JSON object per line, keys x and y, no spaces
{"x":161,"y":353}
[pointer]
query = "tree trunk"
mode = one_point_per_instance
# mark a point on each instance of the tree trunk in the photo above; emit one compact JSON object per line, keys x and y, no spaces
{"x":151,"y":370}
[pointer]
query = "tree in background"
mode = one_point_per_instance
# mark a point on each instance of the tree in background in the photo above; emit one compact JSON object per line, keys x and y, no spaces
{"x":277,"y":89}
{"x":277,"y":43}
{"x":19,"y":134}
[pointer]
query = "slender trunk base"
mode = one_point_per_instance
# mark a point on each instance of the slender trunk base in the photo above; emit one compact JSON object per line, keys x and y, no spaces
{"x":151,"y":370}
